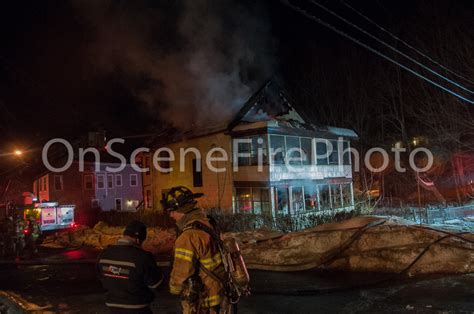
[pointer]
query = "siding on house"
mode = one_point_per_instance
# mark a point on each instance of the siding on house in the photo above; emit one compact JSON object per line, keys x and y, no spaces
{"x":216,"y":187}
{"x":73,"y":189}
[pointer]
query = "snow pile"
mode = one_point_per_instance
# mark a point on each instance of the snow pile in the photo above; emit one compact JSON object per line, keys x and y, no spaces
{"x":365,"y":244}
{"x":102,"y":235}
{"x":374,"y":244}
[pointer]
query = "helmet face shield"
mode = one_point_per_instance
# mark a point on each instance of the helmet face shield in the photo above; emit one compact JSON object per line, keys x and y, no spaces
{"x":177,"y":197}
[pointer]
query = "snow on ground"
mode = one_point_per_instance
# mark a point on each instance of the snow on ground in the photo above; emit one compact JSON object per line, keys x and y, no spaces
{"x":367,"y":243}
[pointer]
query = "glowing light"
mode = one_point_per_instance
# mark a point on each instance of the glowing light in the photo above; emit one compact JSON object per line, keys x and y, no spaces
{"x":18,"y":152}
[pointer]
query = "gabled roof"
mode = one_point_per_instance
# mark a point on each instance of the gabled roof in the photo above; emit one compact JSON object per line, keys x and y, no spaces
{"x":270,"y":102}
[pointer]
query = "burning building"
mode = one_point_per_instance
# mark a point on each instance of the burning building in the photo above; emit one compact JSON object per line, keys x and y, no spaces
{"x":265,"y":172}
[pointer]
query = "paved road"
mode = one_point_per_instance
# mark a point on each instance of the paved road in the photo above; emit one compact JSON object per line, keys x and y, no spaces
{"x":73,"y":288}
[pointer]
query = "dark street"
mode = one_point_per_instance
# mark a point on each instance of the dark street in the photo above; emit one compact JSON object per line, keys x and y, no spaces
{"x":74,"y":288}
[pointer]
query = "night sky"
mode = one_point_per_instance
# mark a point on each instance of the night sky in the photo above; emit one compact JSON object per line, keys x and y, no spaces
{"x":134,"y":67}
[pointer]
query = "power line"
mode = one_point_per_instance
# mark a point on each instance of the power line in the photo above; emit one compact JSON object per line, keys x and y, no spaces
{"x":331,"y":27}
{"x":390,"y":46}
{"x":405,"y":43}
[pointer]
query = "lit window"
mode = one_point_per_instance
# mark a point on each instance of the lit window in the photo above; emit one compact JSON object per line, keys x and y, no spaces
{"x":297,"y":199}
{"x":244,"y":200}
{"x":282,"y":200}
{"x":311,"y":197}
{"x":261,"y":201}
{"x":324,"y":196}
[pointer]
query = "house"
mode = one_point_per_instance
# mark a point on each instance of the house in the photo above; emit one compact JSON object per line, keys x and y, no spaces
{"x":144,"y":159}
{"x":91,"y":190}
{"x":261,"y":141}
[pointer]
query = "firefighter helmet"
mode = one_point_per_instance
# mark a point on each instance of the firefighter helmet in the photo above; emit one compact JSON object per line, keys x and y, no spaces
{"x":179,"y":196}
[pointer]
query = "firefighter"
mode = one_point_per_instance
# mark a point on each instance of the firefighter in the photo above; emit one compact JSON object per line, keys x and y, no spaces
{"x":129,"y":273}
{"x":18,"y":235}
{"x":201,"y":290}
{"x":6,"y":232}
{"x":33,"y":232}
{"x":9,"y":236}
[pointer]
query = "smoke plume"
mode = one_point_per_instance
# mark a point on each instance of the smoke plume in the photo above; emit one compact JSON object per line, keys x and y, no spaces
{"x":191,"y":63}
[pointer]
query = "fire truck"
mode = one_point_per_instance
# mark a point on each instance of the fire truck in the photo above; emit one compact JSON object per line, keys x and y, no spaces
{"x":51,"y":216}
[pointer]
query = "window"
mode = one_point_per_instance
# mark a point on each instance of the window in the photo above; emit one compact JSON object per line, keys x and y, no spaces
{"x":164,"y":164}
{"x":297,"y":199}
{"x":346,"y":154}
{"x":346,"y":194}
{"x":44,"y":183}
{"x":277,"y":148}
{"x":253,"y":200}
{"x":261,"y":201}
{"x":118,"y":180}
{"x":254,"y":146}
{"x":334,"y":154}
{"x":118,"y":204}
{"x":110,"y":181}
{"x":282,"y":200}
{"x":336,"y":195}
{"x":133,"y":180}
{"x":58,"y":183}
{"x":259,"y":146}
{"x":243,"y":148}
{"x":306,"y":149}
{"x":293,"y":149}
{"x":88,"y":182}
{"x":197,"y":173}
{"x":244,"y":200}
{"x":324,"y":196}
{"x":95,"y":203}
{"x":321,"y":152}
{"x":148,"y":199}
{"x":311,"y":197}
{"x":100,"y":181}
